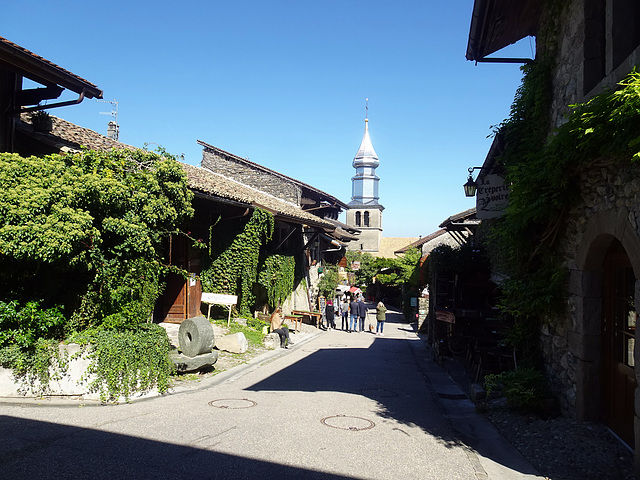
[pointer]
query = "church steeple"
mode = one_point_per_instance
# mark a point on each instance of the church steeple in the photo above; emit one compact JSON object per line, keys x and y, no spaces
{"x":365,"y":182}
{"x":365,"y":213}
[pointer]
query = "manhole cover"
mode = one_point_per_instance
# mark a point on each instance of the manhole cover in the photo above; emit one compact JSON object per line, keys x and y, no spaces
{"x":378,"y":393}
{"x":345,"y":422}
{"x":232,"y":403}
{"x":453,"y":396}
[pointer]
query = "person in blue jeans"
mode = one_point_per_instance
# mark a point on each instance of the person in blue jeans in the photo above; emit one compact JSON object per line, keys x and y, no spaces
{"x":354,"y":310}
{"x":381,"y":316}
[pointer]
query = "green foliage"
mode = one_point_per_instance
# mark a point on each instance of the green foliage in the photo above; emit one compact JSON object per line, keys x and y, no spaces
{"x":235,"y":269}
{"x":23,"y":326}
{"x":278,"y":278}
{"x":124,"y":362}
{"x":84,"y":234}
{"x":256,"y":324}
{"x":329,"y":281}
{"x":525,"y":388}
{"x":544,"y":173}
{"x":88,"y":228}
{"x":370,"y":266}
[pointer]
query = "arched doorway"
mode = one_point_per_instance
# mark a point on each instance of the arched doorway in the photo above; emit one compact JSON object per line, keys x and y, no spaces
{"x":604,"y":290}
{"x":618,"y":327}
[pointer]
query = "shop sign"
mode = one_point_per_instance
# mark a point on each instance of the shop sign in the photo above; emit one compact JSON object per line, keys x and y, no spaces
{"x":492,"y":197}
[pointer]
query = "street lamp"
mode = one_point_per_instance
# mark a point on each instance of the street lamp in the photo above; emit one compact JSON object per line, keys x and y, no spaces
{"x":471,"y":186}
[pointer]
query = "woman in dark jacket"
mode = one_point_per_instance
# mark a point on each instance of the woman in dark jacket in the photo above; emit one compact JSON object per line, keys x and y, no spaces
{"x":330,"y":315}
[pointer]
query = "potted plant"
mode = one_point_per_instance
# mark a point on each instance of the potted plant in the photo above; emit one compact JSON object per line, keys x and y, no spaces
{"x":41,"y":121}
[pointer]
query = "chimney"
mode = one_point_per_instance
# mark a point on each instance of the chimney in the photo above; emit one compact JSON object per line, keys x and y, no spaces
{"x":113,"y":130}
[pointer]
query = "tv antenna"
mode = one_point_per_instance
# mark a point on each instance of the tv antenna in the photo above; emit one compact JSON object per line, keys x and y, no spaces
{"x":113,"y":129}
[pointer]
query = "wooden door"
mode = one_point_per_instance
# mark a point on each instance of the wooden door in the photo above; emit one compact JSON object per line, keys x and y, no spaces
{"x":618,"y":342}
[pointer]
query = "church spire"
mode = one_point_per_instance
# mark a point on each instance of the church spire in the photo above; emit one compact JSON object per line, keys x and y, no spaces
{"x":365,"y":181}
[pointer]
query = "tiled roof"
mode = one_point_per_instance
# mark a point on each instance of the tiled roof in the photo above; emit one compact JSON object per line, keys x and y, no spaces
{"x":422,"y":241}
{"x":388,"y":245}
{"x":213,"y":184}
{"x":66,"y":136}
{"x":23,"y":59}
{"x":468,"y":216}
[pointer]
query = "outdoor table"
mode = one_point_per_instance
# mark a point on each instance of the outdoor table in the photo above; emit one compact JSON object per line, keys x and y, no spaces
{"x":311,"y":315}
{"x":296,"y":319}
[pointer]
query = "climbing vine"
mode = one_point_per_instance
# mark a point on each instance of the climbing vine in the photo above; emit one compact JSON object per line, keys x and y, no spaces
{"x":235,"y":270}
{"x":278,"y":278}
{"x":544,"y":173}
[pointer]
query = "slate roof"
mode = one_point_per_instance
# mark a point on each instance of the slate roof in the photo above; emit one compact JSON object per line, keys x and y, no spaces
{"x":255,"y":166}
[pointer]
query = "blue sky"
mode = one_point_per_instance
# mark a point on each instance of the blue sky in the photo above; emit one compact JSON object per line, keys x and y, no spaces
{"x":284,"y":84}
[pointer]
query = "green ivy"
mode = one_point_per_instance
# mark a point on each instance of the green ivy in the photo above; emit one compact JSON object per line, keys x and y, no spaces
{"x":278,"y":278}
{"x":124,"y":362}
{"x":544,"y":172}
{"x":235,"y":270}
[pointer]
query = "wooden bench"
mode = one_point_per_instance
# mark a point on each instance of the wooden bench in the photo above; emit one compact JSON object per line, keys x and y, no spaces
{"x":295,"y":318}
{"x":317,"y":316}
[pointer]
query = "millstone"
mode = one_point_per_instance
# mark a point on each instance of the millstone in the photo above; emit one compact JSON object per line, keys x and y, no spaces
{"x":195,"y":336}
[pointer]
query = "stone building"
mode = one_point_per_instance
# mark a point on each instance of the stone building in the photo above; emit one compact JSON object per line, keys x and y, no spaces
{"x":365,"y":213}
{"x":590,"y":353}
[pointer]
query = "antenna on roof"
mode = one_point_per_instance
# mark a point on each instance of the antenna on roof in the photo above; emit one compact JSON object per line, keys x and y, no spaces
{"x":113,"y":129}
{"x":366,"y":115}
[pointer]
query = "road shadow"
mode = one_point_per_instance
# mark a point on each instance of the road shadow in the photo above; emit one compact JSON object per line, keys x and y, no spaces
{"x":395,"y":373}
{"x":34,"y":450}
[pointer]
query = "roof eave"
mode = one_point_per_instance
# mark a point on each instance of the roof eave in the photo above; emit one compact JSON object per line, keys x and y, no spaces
{"x":44,"y":72}
{"x":496,"y":24}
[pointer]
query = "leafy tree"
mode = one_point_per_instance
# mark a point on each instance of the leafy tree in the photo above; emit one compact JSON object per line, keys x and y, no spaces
{"x":329,"y":281}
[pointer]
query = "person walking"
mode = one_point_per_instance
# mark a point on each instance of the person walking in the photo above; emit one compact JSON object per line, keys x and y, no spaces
{"x":344,"y":310}
{"x":362,"y":313}
{"x":354,"y":311}
{"x":381,"y":316}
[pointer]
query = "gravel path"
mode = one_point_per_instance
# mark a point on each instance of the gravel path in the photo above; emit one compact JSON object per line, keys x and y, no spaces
{"x":564,"y":449}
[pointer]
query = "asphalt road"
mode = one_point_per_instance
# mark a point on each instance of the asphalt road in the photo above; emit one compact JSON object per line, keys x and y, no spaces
{"x":337,"y":405}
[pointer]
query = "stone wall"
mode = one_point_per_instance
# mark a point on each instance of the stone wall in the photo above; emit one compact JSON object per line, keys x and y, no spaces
{"x":571,"y":345}
{"x":244,"y":173}
{"x":572,"y":342}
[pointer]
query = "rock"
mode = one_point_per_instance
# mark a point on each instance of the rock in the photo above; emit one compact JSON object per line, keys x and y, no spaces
{"x":189,"y":364}
{"x":195,"y":336}
{"x":235,"y":343}
{"x":271,"y":340}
